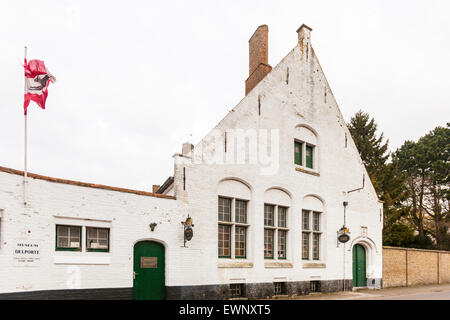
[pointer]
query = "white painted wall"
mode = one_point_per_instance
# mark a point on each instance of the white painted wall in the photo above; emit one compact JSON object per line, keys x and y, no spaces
{"x":290,"y":107}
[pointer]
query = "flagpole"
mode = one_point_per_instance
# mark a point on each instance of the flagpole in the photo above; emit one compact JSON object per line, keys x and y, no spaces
{"x":25,"y":176}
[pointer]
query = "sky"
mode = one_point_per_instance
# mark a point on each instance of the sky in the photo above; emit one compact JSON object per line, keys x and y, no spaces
{"x":137,"y":79}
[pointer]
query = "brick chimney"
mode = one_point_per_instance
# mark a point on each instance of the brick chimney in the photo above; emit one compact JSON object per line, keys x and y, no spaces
{"x":258,"y":57}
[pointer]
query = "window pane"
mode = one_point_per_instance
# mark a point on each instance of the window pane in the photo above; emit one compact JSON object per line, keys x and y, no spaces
{"x":241,"y":211}
{"x":268,"y":243}
{"x":103,"y":233}
{"x":305,"y":245}
{"x":224,"y":209}
{"x":298,"y":153}
{"x":91,"y":233}
{"x":68,"y":237}
{"x":240,"y":242}
{"x":316,"y":221}
{"x":282,"y":244}
{"x":316,"y":245}
{"x":75,"y":231}
{"x":63,"y":231}
{"x":282,"y":217}
{"x":309,"y":157}
{"x":97,"y":238}
{"x":63,"y":242}
{"x":305,"y":219}
{"x":236,"y":290}
{"x":224,"y":241}
{"x":268,"y":215}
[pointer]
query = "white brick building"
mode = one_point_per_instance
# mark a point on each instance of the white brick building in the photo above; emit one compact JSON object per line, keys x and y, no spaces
{"x":265,"y":189}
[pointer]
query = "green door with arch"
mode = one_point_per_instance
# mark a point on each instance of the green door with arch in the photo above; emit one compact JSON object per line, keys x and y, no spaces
{"x":149,"y":271}
{"x":359,"y":266}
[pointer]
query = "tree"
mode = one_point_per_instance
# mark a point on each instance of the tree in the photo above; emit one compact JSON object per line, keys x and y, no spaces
{"x":436,"y":147}
{"x":386,"y":176}
{"x":372,"y":149}
{"x":426,"y":164}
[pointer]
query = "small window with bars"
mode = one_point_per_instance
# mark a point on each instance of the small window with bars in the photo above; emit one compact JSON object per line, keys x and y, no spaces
{"x":97,"y":239}
{"x":314,"y":286}
{"x":237,"y":290}
{"x":68,"y":238}
{"x":279,"y":288}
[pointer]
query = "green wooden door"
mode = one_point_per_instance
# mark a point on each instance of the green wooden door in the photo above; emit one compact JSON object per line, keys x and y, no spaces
{"x":148,"y":267}
{"x":359,"y":266}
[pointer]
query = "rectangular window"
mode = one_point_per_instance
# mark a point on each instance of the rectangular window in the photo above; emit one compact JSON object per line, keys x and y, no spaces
{"x":305,"y":219}
{"x":224,"y":241}
{"x":305,"y":246}
{"x":224,"y":209}
{"x":237,"y":290}
{"x":316,"y":245}
{"x":298,"y":153}
{"x":268,"y":244}
{"x":282,"y":244}
{"x":314,"y":286}
{"x":282,"y":217}
{"x":241,"y":211}
{"x":268,"y":215}
{"x":279,"y":288}
{"x":240,"y":245}
{"x":309,"y":157}
{"x":97,"y":239}
{"x":316,"y":221}
{"x":68,"y":238}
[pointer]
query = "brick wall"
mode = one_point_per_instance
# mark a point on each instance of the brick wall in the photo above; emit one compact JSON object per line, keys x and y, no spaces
{"x":408,"y":267}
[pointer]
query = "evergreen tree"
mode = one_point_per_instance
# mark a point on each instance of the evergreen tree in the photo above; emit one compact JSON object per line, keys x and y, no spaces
{"x":372,"y":149}
{"x":386,"y":177}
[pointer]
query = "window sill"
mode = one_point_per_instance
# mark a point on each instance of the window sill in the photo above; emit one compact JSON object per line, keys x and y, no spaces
{"x":314,"y":265}
{"x":278,"y":264}
{"x":235,"y":264}
{"x":308,"y":171}
{"x":66,"y":259}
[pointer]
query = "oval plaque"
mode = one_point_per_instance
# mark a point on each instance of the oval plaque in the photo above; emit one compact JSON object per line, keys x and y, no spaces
{"x":343,"y":238}
{"x":188,"y":233}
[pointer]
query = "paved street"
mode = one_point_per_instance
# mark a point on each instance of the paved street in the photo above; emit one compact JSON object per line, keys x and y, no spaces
{"x":430,"y":292}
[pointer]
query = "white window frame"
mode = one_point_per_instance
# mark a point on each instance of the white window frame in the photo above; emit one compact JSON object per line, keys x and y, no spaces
{"x":275,"y":229}
{"x":233,"y":224}
{"x":310,"y":231}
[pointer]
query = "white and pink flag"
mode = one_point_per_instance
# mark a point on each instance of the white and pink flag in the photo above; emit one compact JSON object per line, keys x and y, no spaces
{"x":37,"y":80}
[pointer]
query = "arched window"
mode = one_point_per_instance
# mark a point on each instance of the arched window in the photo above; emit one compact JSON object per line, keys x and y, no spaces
{"x":312,"y":228}
{"x":233,"y":220}
{"x":276,"y":227}
{"x":305,"y":147}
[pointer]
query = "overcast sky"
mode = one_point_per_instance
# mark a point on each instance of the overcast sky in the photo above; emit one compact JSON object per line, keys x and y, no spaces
{"x":136,"y":79}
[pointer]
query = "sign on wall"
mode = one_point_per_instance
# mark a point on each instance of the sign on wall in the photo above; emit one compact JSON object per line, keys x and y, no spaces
{"x":27,"y":253}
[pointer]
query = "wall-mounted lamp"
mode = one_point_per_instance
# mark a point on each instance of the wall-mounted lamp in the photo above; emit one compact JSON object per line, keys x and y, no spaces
{"x":152,"y":226}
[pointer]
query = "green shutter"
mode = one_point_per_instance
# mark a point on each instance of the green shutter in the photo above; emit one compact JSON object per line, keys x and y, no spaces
{"x":309,"y":157}
{"x":298,"y":153}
